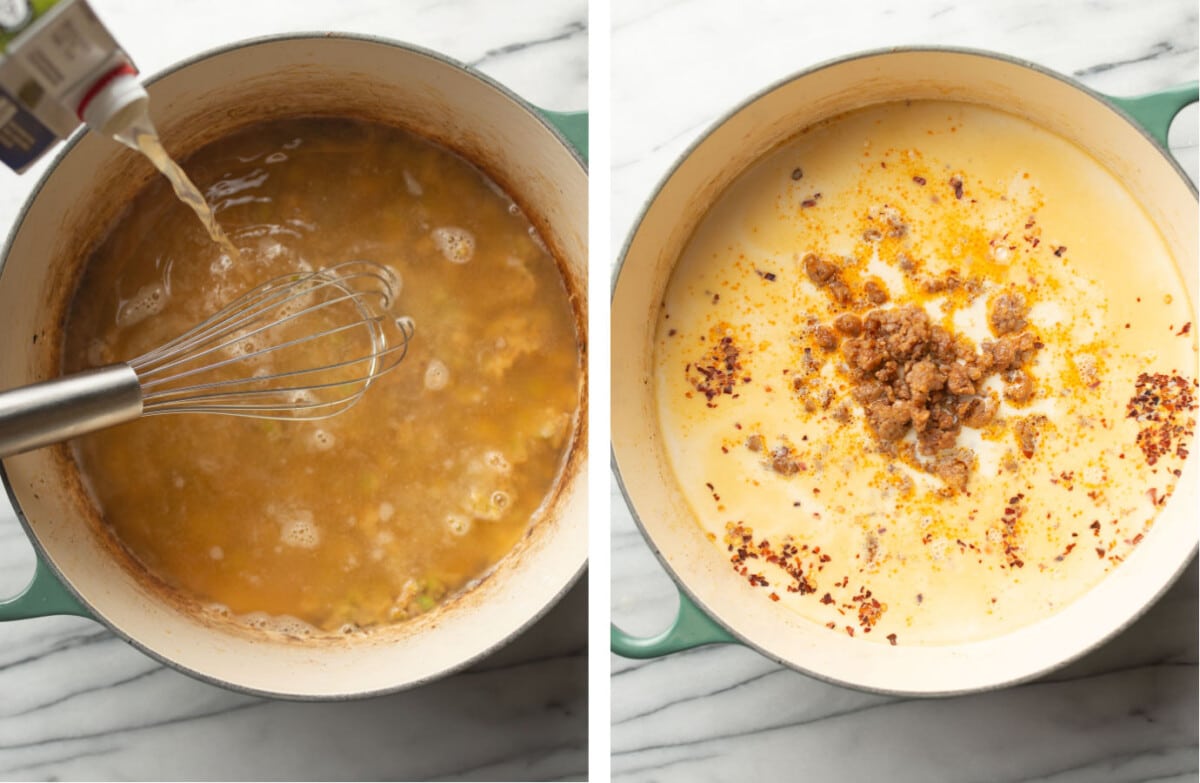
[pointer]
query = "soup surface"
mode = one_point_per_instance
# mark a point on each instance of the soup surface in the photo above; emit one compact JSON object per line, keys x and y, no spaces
{"x":380,"y":513}
{"x":926,"y":373}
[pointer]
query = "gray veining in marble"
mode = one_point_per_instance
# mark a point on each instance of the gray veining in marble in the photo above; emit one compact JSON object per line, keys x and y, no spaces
{"x":1128,"y":711}
{"x":77,"y":703}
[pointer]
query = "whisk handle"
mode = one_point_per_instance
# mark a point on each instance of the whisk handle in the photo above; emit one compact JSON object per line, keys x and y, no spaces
{"x":52,"y":411}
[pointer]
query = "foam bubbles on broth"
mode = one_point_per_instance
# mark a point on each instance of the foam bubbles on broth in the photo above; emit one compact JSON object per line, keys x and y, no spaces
{"x":457,"y":245}
{"x":149,"y":300}
{"x":437,"y":375}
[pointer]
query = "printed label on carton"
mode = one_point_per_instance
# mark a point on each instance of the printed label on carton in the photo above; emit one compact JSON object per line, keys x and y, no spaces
{"x":22,"y":138}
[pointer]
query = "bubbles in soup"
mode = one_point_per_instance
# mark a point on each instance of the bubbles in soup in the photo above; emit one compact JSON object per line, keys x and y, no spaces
{"x":366,"y":518}
{"x":456,"y":244}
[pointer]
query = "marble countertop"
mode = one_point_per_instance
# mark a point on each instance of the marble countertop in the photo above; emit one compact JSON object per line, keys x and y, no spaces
{"x":1126,"y":712}
{"x":78,"y":703}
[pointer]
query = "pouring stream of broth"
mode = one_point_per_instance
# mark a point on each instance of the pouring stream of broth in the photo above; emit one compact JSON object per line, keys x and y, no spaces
{"x":141,"y":135}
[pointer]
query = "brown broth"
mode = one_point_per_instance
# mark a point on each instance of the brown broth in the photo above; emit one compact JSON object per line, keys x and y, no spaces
{"x":380,"y":513}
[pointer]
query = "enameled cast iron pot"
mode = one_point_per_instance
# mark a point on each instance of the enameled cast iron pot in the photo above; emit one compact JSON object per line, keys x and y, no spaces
{"x":528,"y":152}
{"x":1128,"y":136}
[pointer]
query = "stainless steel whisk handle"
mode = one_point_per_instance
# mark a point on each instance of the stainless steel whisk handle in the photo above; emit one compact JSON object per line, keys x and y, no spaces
{"x":53,"y":411}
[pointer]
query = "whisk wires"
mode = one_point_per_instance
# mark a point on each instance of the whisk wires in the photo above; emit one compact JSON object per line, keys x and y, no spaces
{"x":301,"y":346}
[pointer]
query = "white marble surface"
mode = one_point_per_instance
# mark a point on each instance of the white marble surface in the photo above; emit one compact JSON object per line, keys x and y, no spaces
{"x":1127,"y":712}
{"x":77,"y":703}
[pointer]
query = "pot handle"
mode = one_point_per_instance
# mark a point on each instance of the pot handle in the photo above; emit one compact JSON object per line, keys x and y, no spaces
{"x":1154,"y":111}
{"x":692,"y":628}
{"x":44,"y":596}
{"x":573,"y":125}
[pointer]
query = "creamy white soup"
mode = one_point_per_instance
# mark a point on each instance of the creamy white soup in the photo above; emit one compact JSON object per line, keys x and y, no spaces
{"x":926,"y":373}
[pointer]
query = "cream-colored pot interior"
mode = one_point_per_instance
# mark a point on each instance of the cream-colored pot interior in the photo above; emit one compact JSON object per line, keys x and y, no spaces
{"x":191,"y":105}
{"x":701,"y":568}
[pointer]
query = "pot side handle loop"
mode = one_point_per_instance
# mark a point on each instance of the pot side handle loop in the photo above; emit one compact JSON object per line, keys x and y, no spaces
{"x":44,"y":596}
{"x":691,"y":628}
{"x":1155,"y":110}
{"x":573,"y":125}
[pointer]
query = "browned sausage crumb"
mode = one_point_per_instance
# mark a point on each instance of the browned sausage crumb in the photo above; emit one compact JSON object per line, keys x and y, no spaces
{"x":1027,"y":431}
{"x":954,"y":467}
{"x":825,"y":338}
{"x":784,"y":462}
{"x":848,"y":324}
{"x":818,"y":270}
{"x":1006,"y":313}
{"x":875,"y":292}
{"x":1020,"y":386}
{"x":910,"y":373}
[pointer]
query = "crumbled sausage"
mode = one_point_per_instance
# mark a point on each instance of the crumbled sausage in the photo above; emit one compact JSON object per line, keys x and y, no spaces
{"x":924,"y":377}
{"x":975,"y":412}
{"x":1010,"y":351}
{"x":818,"y":270}
{"x":783,"y":462}
{"x":875,"y":292}
{"x":909,"y":373}
{"x":849,"y":324}
{"x":840,"y":291}
{"x":755,"y":443}
{"x":954,"y":467}
{"x":1020,"y":386}
{"x":865,"y":355}
{"x":1027,"y":432}
{"x":958,"y":380}
{"x":1006,"y":314}
{"x":889,"y":420}
{"x":825,"y":338}
{"x":869,"y":392}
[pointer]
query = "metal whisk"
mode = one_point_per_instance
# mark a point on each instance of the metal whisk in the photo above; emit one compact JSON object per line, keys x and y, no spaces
{"x":302,"y":346}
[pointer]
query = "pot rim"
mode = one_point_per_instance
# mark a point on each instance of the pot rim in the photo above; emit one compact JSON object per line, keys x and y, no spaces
{"x":680,"y":583}
{"x":48,"y":562}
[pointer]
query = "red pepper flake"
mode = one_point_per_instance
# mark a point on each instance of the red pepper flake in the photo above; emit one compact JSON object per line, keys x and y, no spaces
{"x":850,"y":631}
{"x":1166,"y":404}
{"x":797,"y":174}
{"x":717,"y":373}
{"x":957,"y":183}
{"x":1099,"y":552}
{"x":827,"y":599}
{"x":1058,"y":251}
{"x":672,"y":333}
{"x":808,"y":202}
{"x":740,"y":540}
{"x":919,"y":180}
{"x":891,"y":637}
{"x":774,"y":596}
{"x":1009,"y":536}
{"x":831,"y":626}
{"x":1186,"y":328}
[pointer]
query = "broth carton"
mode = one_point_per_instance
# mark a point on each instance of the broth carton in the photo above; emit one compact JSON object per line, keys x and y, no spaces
{"x":59,"y":68}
